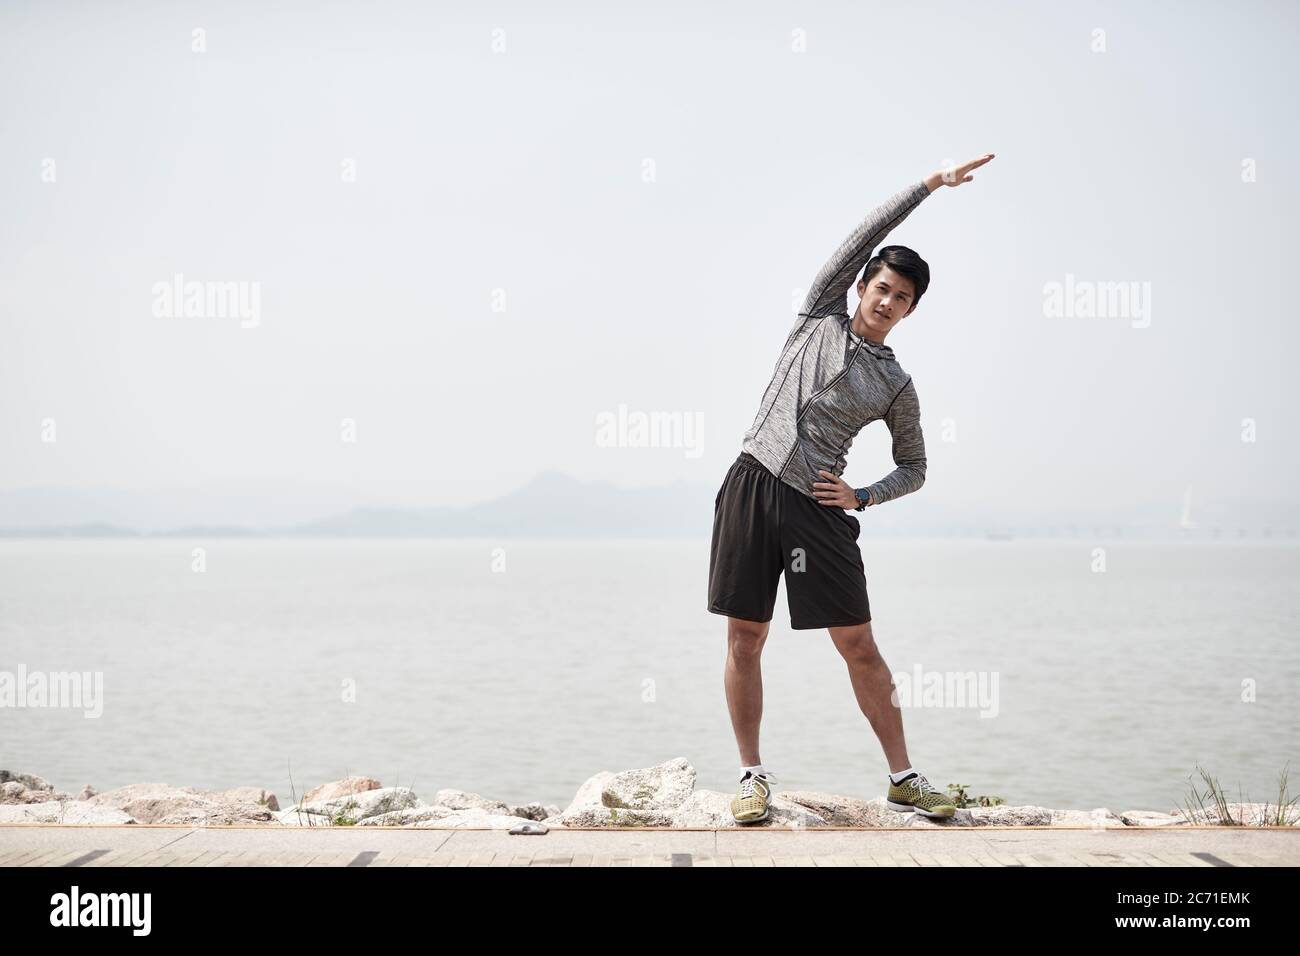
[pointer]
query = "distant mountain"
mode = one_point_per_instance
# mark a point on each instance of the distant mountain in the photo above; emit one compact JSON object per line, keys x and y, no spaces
{"x":552,"y":505}
{"x":556,"y":505}
{"x":164,"y":509}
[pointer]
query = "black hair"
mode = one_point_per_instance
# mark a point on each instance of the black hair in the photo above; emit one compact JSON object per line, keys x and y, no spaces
{"x":905,"y":262}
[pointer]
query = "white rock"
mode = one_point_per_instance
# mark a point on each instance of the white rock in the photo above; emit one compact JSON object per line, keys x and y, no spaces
{"x":1150,"y":818}
{"x":642,"y":797}
{"x":711,"y":809}
{"x":163,"y":803}
{"x":409,"y":817}
{"x":1100,"y":818}
{"x":462,"y":800}
{"x":534,"y":811}
{"x":1004,"y":816}
{"x":26,"y":788}
{"x":362,"y":804}
{"x":339,"y":788}
{"x":960,"y":818}
{"x":249,"y":795}
{"x":839,"y":811}
{"x":62,"y":811}
{"x":298,"y":817}
{"x":1247,"y":814}
{"x":29,"y":781}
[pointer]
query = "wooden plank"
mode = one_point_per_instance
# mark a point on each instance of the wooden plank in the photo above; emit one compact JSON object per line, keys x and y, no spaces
{"x":39,"y":856}
{"x":187,"y":857}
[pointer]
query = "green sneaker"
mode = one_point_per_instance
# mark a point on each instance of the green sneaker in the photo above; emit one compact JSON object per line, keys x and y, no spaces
{"x":916,"y":795}
{"x":751,"y":803}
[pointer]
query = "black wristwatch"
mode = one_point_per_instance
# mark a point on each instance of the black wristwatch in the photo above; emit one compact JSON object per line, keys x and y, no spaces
{"x":864,"y":496}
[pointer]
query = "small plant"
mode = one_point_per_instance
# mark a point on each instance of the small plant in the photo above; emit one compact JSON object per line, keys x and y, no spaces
{"x":1283,"y":813}
{"x":342,"y":818}
{"x":1194,"y":802}
{"x":297,"y":807}
{"x":962,"y":801}
{"x":1286,"y":812}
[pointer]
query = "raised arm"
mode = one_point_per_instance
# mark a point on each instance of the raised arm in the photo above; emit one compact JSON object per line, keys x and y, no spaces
{"x":904,"y":420}
{"x":832,"y":283}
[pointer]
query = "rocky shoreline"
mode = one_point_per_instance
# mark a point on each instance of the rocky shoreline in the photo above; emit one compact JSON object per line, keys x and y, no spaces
{"x":661,"y":796}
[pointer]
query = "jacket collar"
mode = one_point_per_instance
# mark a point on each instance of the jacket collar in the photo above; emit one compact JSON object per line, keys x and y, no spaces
{"x":878,"y":349}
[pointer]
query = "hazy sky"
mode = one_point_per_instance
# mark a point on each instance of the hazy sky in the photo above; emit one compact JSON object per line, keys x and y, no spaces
{"x":646,"y":190}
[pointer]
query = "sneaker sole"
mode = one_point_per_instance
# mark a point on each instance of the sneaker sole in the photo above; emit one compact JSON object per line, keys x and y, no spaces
{"x":751,"y":819}
{"x":908,"y":808}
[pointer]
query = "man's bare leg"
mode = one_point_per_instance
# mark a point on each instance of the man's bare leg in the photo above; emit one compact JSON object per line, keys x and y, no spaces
{"x":873,"y":685}
{"x":744,"y":683}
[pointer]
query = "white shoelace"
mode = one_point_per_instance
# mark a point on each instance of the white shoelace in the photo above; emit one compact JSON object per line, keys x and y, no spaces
{"x":747,"y":785}
{"x":922,"y":784}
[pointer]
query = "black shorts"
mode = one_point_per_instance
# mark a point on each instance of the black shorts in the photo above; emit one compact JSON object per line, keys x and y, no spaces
{"x":761,"y":527}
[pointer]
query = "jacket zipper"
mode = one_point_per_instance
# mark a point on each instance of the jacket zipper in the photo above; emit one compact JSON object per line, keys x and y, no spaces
{"x":848,"y":365}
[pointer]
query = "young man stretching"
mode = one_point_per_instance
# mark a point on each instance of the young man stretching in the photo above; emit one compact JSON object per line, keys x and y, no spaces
{"x":781,"y":505}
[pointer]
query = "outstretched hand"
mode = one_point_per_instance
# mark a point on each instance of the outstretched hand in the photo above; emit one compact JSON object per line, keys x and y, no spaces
{"x":834,"y":491}
{"x":956,"y":175}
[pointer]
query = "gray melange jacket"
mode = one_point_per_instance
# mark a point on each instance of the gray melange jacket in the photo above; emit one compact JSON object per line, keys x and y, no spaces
{"x":829,"y":383}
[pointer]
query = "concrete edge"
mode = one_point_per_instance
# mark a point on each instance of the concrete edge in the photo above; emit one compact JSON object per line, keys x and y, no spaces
{"x":736,"y":829}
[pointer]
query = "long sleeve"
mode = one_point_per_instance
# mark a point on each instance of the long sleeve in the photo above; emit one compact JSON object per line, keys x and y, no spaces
{"x":832,"y":284}
{"x":904,"y":420}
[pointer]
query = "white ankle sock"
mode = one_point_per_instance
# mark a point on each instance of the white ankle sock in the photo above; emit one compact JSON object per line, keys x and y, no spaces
{"x":898,"y":777}
{"x":755,"y":770}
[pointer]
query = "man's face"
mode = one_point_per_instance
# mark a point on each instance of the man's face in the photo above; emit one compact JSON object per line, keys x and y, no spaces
{"x":886,"y":300}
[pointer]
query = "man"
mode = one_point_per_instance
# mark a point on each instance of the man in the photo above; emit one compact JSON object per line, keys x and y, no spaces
{"x":782,"y":504}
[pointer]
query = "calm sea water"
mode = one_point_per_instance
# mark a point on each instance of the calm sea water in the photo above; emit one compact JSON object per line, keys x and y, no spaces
{"x":585,"y":656}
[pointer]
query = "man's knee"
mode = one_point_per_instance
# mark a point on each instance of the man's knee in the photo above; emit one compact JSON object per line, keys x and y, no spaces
{"x":746,"y":638}
{"x":855,"y":643}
